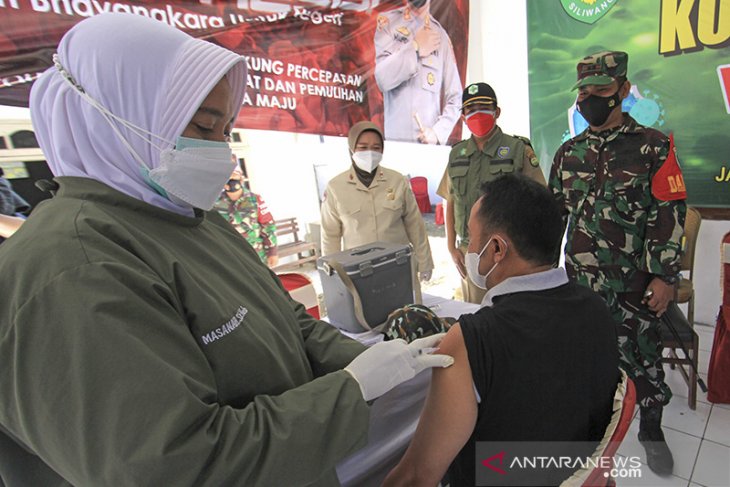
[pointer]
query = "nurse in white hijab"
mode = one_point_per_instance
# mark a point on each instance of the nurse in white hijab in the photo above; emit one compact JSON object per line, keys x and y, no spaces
{"x":142,"y":341}
{"x":114,"y":105}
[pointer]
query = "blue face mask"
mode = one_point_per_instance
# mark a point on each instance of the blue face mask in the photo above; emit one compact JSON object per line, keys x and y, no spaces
{"x":190,"y":143}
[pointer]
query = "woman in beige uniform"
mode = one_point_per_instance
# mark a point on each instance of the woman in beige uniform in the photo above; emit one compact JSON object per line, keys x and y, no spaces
{"x":369,"y":203}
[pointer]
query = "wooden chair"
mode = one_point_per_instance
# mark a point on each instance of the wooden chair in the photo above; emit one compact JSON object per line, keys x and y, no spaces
{"x":303,"y":250}
{"x":688,"y":338}
{"x":685,"y":292}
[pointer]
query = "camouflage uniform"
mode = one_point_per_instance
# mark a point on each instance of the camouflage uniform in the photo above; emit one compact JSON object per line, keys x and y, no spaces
{"x":414,"y":321}
{"x":620,"y":236}
{"x":249,"y":215}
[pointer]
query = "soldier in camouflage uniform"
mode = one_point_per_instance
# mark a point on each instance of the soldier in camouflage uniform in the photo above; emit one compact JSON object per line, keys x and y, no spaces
{"x":623,"y":195}
{"x":247,"y":212}
{"x":486,"y":155}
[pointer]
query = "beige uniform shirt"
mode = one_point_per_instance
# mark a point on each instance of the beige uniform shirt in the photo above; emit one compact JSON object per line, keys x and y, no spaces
{"x":354,"y":215}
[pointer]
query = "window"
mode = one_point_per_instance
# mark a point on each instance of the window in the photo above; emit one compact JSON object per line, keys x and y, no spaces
{"x":24,"y":139}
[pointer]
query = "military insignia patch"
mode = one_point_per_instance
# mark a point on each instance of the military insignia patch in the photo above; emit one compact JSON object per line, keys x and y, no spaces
{"x":463,"y":151}
{"x":473,"y":89}
{"x":403,"y":30}
{"x":430,"y":78}
{"x":503,"y":151}
{"x":531,"y":156}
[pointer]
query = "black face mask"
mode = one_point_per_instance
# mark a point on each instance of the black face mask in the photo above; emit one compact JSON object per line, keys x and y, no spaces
{"x":417,"y":3}
{"x":596,"y":109}
{"x":233,"y":185}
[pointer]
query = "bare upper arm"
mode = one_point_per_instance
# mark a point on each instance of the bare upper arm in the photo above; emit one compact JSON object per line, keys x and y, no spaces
{"x":447,"y":420}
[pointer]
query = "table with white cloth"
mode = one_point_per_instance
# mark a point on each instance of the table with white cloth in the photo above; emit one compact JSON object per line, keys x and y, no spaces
{"x":393,"y":416}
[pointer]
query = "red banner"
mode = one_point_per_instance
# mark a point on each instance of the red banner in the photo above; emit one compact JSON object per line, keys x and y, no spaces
{"x":312,"y":63}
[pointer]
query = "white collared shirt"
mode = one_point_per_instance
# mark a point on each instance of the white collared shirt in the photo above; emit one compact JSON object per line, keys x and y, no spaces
{"x":538,"y":281}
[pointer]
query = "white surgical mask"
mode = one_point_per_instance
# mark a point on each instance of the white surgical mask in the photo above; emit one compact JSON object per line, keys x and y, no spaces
{"x":194,"y":172}
{"x":367,"y":160}
{"x":471,"y":262}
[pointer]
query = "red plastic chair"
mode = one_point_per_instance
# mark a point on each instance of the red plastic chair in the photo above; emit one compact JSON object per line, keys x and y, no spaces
{"x":419,"y":185}
{"x":302,"y":290}
{"x":621,"y":418}
{"x":439,"y":218}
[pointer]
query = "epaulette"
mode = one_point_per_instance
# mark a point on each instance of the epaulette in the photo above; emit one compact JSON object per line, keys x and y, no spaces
{"x":525,"y":140}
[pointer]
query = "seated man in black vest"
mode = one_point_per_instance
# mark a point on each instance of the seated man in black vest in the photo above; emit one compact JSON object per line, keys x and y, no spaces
{"x":537,"y":363}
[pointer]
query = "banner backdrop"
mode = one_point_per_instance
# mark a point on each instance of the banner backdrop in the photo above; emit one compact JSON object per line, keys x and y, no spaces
{"x":311,"y":63}
{"x":679,"y":62}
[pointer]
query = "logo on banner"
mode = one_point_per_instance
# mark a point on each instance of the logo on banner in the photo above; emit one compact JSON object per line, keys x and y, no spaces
{"x":724,"y":73}
{"x":587,"y":11}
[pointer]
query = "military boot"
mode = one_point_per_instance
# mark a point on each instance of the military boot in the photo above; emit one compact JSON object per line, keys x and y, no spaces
{"x":658,"y":456}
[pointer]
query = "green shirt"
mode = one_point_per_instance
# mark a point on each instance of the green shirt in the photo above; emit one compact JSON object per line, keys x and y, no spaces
{"x":143,"y":347}
{"x":470,"y":167}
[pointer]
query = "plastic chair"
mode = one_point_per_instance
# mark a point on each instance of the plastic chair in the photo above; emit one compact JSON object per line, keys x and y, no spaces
{"x":302,"y":290}
{"x":624,"y":401}
{"x":419,"y":185}
{"x":439,"y":218}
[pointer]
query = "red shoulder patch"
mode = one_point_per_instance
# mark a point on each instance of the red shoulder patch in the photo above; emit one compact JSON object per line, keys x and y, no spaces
{"x":264,"y":215}
{"x":668,"y":182}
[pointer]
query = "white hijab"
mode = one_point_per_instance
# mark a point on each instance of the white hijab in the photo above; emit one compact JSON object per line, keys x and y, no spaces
{"x":140,"y":70}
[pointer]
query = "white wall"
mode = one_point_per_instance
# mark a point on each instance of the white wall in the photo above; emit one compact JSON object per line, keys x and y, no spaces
{"x":281,"y":167}
{"x":708,"y":295}
{"x":498,"y":56}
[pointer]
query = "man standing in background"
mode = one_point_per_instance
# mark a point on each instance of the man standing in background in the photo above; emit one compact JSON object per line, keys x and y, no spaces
{"x":416,"y":71}
{"x":483,"y":157}
{"x":623,"y":197}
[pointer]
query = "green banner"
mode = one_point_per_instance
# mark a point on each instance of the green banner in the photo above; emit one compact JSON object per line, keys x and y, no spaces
{"x":679,"y":66}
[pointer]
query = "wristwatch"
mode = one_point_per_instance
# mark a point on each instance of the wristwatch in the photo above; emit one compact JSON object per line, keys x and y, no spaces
{"x":671,"y":280}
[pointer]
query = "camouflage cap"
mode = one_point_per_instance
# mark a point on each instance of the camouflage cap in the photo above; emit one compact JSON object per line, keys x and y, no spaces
{"x":601,"y":68}
{"x":414,"y":321}
{"x":478,"y":93}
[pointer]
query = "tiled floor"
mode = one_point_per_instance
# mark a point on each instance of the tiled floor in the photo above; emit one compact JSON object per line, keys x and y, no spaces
{"x":699,"y":439}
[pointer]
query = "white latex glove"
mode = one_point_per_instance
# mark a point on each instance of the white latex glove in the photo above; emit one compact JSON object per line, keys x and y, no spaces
{"x":428,"y":136}
{"x":425,"y":276}
{"x":387,"y":364}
